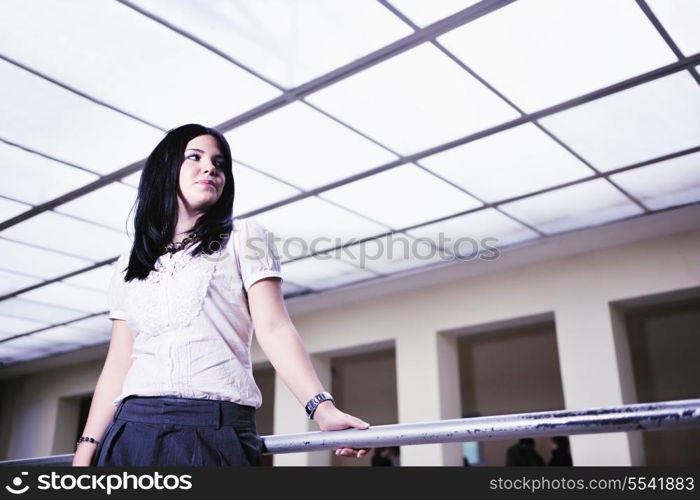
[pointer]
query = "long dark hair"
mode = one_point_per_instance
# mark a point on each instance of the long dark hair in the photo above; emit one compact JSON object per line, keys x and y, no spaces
{"x":157,"y":206}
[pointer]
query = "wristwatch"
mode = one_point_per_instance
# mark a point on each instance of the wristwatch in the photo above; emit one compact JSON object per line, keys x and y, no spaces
{"x":315,"y":401}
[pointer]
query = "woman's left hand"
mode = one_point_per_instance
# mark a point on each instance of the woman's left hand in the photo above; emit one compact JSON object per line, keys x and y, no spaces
{"x":330,"y":418}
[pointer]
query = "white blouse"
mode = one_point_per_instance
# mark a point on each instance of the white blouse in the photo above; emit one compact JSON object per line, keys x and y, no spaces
{"x":190,"y":319}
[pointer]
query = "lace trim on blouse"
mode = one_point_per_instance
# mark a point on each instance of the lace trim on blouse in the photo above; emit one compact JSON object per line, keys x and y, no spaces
{"x":172,"y":295}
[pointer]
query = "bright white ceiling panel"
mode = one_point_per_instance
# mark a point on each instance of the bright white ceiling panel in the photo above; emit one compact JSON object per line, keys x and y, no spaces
{"x":96,"y":324}
{"x":51,"y":120}
{"x":10,"y":325}
{"x":287,"y":41}
{"x":30,"y":347}
{"x":638,"y":124}
{"x":482,"y":232}
{"x":511,"y":163}
{"x":391,"y":254}
{"x":542,"y":52}
{"x":69,"y":296}
{"x":255,"y":190}
{"x":109,"y":205}
{"x":31,"y":178}
{"x":665,"y":184}
{"x":316,"y":225}
{"x":133,"y":179}
{"x":63,"y":233}
{"x":423,"y":13}
{"x":9,"y":355}
{"x":96,"y":279}
{"x":414,"y":101}
{"x":581,"y":205}
{"x":31,"y":261}
{"x":38,"y":311}
{"x":153,"y":73}
{"x":290,"y":288}
{"x":325,"y":271}
{"x":304,"y":147}
{"x":9,"y":208}
{"x":680,"y":18}
{"x":402,"y":196}
{"x":71,"y":335}
{"x":9,"y":282}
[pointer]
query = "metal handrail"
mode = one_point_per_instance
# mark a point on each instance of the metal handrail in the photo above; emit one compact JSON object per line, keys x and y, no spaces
{"x":683,"y":414}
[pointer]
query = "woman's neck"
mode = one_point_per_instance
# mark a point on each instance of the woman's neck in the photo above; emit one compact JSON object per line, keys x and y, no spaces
{"x":185,"y":224}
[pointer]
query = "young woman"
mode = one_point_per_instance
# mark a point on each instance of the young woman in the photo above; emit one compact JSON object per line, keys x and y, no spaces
{"x":177,"y":385}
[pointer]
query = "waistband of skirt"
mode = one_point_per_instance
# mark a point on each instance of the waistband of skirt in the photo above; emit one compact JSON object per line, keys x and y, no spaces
{"x":185,"y":411}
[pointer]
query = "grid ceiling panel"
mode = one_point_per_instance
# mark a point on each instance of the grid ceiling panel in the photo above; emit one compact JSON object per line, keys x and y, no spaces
{"x":413,"y":101}
{"x":25,"y":259}
{"x":303,"y":147}
{"x":423,"y":13}
{"x":639,"y":124}
{"x":38,"y":311}
{"x":96,"y":279}
{"x":48,"y":119}
{"x":70,"y":335}
{"x":288,"y":41}
{"x":664,"y":184}
{"x":10,"y":282}
{"x":400,"y":197}
{"x":96,"y":324}
{"x":132,"y":179}
{"x":62,"y":233}
{"x":542,"y":52}
{"x":511,"y":163}
{"x":289,"y":288}
{"x":299,"y":222}
{"x":34,"y":179}
{"x":256,"y":190}
{"x":573,"y":207}
{"x":109,"y":205}
{"x":680,"y":19}
{"x":152,"y":73}
{"x":30,"y":347}
{"x":69,"y":296}
{"x":10,"y":326}
{"x":9,"y":208}
{"x":391,"y":254}
{"x":323,"y":272}
{"x":468,"y":235}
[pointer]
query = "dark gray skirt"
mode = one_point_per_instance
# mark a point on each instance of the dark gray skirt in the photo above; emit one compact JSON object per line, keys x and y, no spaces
{"x":167,"y":430}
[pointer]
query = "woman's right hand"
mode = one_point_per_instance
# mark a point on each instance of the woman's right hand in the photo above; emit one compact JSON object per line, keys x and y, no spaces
{"x":83,"y":455}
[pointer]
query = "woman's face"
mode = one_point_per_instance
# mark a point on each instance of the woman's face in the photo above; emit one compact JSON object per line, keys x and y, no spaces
{"x":201,"y":175}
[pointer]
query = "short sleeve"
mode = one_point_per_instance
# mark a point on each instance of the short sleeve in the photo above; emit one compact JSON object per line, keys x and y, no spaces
{"x":117,"y":288}
{"x":257,"y":252}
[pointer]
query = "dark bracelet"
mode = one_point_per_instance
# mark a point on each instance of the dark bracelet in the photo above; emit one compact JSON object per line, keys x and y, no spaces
{"x":86,"y":439}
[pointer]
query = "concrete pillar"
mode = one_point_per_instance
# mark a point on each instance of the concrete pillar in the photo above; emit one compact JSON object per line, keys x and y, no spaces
{"x":290,"y":417}
{"x":427,"y":371}
{"x":596,"y":371}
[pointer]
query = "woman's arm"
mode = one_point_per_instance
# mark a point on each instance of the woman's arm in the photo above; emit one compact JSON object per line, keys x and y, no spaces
{"x":108,"y":387}
{"x":280,"y":341}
